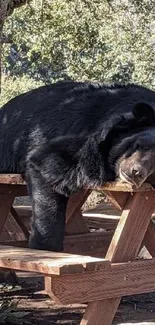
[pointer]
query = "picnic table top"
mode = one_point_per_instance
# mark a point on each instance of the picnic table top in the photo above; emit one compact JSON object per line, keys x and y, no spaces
{"x":17,"y":179}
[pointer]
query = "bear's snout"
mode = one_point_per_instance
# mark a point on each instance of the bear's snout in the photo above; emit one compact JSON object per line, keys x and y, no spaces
{"x":136,"y":168}
{"x":135,"y":174}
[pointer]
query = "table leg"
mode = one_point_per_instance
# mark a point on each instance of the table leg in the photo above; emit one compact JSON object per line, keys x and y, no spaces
{"x":6,"y":202}
{"x":149,"y":239}
{"x":118,"y":199}
{"x":20,"y":223}
{"x":75,"y":223}
{"x":124,"y":246}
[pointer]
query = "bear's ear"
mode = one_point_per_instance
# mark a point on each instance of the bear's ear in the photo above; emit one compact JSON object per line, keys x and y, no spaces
{"x":144,"y":112}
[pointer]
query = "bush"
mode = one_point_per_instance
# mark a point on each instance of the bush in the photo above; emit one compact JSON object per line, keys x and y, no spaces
{"x":99,"y":40}
{"x":12,"y":87}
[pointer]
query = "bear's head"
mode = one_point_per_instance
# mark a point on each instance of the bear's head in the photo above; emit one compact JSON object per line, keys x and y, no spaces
{"x":132,"y":152}
{"x":124,"y":147}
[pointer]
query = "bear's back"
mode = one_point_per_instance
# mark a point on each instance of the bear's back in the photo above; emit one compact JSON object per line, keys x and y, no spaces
{"x":64,"y":108}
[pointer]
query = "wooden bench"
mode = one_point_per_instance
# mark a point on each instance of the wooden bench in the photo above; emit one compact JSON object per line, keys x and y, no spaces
{"x":47,"y":263}
{"x":101,"y":282}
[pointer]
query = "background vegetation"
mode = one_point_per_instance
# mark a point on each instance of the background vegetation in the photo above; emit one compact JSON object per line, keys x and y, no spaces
{"x":101,"y":40}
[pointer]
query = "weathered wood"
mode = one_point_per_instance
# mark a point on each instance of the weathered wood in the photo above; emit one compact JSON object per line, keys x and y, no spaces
{"x":47,"y":262}
{"x":111,"y":186}
{"x":19,"y":222}
{"x":104,"y":216}
{"x":76,"y":225}
{"x":118,"y":199}
{"x":23,"y":210}
{"x":124,"y":246}
{"x":11,"y":179}
{"x":99,"y":222}
{"x":75,"y":203}
{"x":74,"y":219}
{"x":122,"y":279}
{"x":92,"y":244}
{"x":17,"y":190}
{"x":107,"y":219}
{"x":11,"y":230}
{"x":6,"y":202}
{"x":15,"y":243}
{"x":109,"y":306}
{"x":25,"y":214}
{"x":149,"y":239}
{"x":132,"y":226}
{"x":125,"y":187}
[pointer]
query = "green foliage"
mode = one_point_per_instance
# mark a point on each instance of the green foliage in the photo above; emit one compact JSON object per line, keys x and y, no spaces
{"x":83,"y":39}
{"x":16,"y":86}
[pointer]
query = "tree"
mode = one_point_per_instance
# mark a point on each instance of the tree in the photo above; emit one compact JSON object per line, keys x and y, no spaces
{"x":101,"y":40}
{"x":6,"y":8}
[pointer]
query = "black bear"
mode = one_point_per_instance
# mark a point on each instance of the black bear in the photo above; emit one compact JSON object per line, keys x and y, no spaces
{"x":71,"y":135}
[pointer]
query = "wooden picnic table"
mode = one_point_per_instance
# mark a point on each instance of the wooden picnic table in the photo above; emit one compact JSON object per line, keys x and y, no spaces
{"x":99,"y":280}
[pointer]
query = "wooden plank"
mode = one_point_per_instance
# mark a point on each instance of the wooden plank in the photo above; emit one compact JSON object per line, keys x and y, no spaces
{"x":74,"y":219}
{"x":6,"y":202}
{"x":19,"y":222}
{"x":107,"y":219}
{"x":23,"y":210}
{"x":109,"y":186}
{"x":11,"y":179}
{"x":92,"y":244}
{"x":25,"y":213}
{"x":118,"y":199}
{"x":98,"y":221}
{"x":75,"y":203}
{"x":17,"y":190}
{"x":11,"y":230}
{"x":149,"y":239}
{"x":122,"y":279}
{"x":103,"y":216}
{"x":47,"y":262}
{"x":125,"y":187}
{"x":133,"y":224}
{"x":124,"y":246}
{"x":16,"y":243}
{"x":91,"y":314}
{"x":76,"y":225}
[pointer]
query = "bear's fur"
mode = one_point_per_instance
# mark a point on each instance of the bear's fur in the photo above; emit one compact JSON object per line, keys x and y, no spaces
{"x":72,"y":135}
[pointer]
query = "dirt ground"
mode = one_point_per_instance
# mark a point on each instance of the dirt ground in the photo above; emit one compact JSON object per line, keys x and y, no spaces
{"x":42,"y":310}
